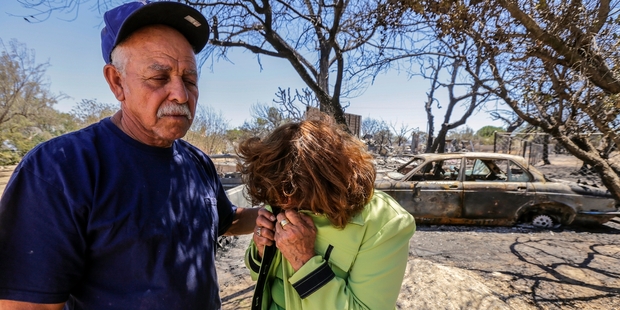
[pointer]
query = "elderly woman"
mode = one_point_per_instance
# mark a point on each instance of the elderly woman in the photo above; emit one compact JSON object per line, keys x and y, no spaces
{"x":340,"y":243}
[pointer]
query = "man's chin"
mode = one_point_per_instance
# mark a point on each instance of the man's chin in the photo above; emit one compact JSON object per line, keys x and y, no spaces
{"x":174,"y":129}
{"x":170,"y":121}
{"x":176,"y":117}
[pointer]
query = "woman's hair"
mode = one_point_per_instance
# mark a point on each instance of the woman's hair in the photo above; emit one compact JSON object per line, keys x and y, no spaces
{"x":309,"y":165}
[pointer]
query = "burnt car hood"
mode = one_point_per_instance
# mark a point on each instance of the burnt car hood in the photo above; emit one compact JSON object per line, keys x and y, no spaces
{"x":584,"y":189}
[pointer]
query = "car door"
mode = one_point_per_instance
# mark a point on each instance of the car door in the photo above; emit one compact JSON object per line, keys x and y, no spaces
{"x":492,"y":191}
{"x":432,"y":190}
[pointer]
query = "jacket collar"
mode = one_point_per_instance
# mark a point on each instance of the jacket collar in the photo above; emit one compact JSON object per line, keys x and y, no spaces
{"x":357,"y":219}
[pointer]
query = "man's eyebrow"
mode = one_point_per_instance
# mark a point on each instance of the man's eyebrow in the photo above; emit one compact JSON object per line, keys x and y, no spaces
{"x":160,"y":67}
{"x":165,"y":68}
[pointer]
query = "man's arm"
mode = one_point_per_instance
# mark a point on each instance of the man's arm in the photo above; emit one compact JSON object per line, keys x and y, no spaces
{"x":244,"y":222}
{"x":21,"y":305}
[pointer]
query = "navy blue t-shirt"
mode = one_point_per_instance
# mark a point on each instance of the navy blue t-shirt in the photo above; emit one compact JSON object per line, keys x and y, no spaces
{"x":102,"y":221}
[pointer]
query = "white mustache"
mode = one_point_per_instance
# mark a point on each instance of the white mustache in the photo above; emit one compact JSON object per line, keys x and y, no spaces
{"x":174,"y":110}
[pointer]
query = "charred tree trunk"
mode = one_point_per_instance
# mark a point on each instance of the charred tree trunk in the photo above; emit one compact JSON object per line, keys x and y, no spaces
{"x":545,"y":150}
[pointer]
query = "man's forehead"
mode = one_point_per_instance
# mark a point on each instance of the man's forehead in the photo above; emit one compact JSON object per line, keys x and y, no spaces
{"x":159,"y":43}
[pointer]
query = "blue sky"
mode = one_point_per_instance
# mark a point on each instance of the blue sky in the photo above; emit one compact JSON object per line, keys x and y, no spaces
{"x":71,"y":44}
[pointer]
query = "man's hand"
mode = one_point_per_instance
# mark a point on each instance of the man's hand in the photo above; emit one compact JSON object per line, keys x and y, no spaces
{"x":244,"y":222}
{"x":21,"y":305}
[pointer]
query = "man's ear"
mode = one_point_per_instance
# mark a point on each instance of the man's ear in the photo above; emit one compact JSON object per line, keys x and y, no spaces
{"x":115,"y":81}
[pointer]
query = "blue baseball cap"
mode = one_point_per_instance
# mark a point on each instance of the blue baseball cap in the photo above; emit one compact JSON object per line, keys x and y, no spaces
{"x":122,"y":21}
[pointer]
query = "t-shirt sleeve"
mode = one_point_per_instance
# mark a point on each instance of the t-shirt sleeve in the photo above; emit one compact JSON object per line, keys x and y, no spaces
{"x":226,"y":210}
{"x":41,"y":243}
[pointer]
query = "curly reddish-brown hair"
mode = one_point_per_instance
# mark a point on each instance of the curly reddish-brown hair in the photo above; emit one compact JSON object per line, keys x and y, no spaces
{"x":309,"y":165}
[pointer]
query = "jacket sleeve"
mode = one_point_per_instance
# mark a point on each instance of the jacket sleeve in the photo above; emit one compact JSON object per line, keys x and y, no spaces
{"x":374,"y":280}
{"x":252,"y":261}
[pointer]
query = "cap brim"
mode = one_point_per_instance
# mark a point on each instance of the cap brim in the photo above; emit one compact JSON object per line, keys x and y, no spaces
{"x":185,"y":19}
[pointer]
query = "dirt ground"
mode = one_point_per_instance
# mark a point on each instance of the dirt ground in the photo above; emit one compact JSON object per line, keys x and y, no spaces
{"x":471,"y":267}
{"x":460,"y":267}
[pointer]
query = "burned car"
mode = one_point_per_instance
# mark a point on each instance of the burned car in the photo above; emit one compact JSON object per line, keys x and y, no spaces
{"x":491,"y":189}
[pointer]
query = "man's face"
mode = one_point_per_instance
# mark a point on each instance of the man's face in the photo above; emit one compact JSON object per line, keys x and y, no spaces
{"x":159,"y":89}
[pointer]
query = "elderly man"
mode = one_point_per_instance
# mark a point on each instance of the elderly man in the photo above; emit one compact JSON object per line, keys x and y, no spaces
{"x":123,"y":214}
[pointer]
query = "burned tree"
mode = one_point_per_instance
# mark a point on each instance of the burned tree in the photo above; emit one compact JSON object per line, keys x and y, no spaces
{"x":462,"y":90}
{"x":321,"y":41}
{"x":555,"y":64}
{"x":328,"y":44}
{"x":289,"y":103}
{"x":401,"y":134}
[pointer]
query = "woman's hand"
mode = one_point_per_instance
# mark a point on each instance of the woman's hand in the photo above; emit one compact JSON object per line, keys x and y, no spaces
{"x":264,"y":230}
{"x":295,"y":235}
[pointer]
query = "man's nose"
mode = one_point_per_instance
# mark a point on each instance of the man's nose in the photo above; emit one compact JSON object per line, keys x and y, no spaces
{"x":178,"y":90}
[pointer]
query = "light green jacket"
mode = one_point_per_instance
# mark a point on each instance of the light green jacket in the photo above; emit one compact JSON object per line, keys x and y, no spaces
{"x":365,"y":266}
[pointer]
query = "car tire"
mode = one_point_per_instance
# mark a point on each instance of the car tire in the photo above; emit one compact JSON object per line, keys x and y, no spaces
{"x":542,"y":221}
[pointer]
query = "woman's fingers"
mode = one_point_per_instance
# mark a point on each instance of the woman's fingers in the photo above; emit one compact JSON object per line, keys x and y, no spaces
{"x":265,"y":219}
{"x":264,"y":231}
{"x":295,"y":238}
{"x":265,"y":213}
{"x":308,"y":221}
{"x":292,"y":216}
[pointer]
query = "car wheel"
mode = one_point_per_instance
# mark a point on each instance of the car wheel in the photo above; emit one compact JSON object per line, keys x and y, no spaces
{"x":544,"y":221}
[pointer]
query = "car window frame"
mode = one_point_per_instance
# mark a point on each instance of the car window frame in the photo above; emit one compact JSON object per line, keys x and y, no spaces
{"x":432,"y":172}
{"x":525,"y":171}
